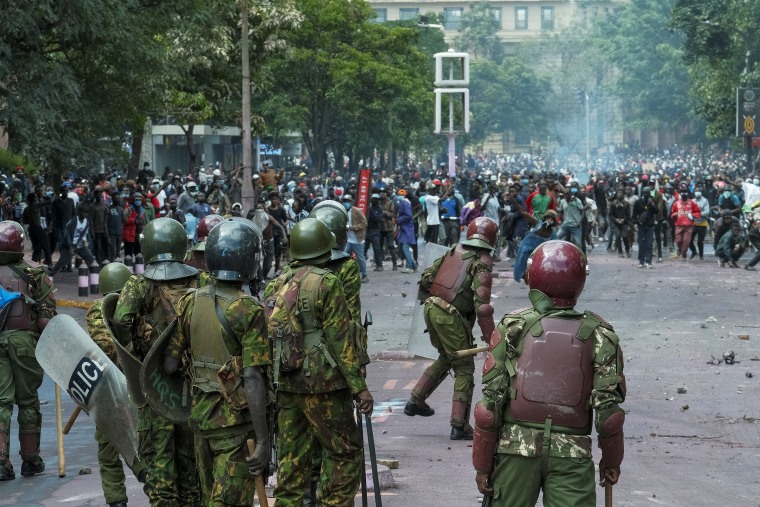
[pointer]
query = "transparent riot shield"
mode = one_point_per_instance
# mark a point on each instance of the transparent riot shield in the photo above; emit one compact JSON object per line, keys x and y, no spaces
{"x":419,"y":339}
{"x":75,"y":362}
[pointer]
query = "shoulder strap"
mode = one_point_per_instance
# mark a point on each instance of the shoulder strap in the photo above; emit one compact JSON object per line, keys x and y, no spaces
{"x":227,"y":330}
{"x":21,"y":274}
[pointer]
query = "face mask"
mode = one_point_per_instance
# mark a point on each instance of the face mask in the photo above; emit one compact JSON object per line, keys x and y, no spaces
{"x":684,"y":197}
{"x":698,"y":194}
{"x":193,"y":193}
{"x":138,"y":202}
{"x":727,"y":194}
{"x":48,"y":194}
{"x":573,"y":190}
{"x":347,"y":205}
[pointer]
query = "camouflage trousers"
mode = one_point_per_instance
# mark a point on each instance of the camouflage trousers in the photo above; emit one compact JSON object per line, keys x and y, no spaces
{"x":20,"y":378}
{"x":517,"y":481}
{"x":111,"y":470}
{"x":224,"y":475}
{"x":328,"y":419}
{"x":166,"y":449}
{"x":448,"y":334}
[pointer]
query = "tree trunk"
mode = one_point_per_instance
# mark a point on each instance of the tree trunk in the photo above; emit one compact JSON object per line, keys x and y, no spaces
{"x":190,"y":147}
{"x":246,"y":194}
{"x":138,"y":131}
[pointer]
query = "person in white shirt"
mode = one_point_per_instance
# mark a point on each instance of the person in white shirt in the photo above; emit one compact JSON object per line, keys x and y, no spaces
{"x":433,"y":219}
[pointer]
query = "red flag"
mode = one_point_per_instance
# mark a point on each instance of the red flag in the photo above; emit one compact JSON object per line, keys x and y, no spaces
{"x":363,"y":198}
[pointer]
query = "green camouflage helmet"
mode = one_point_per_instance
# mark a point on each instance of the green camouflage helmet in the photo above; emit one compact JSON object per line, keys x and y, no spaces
{"x":336,"y":221}
{"x":113,"y":277}
{"x":311,"y":239}
{"x":233,"y":248}
{"x":163,"y":239}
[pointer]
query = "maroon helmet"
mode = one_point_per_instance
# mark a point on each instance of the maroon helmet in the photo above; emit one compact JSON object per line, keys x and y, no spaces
{"x":559,"y":270}
{"x":11,"y":242}
{"x":482,"y":233}
{"x":205,"y":226}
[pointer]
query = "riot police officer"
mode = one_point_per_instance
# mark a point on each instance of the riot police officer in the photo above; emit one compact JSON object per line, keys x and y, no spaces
{"x":195,"y":255}
{"x":225,"y":330}
{"x":546,"y":368}
{"x":146,"y":307}
{"x":113,"y":277}
{"x":25,"y":312}
{"x":456,"y":290}
{"x":315,"y":398}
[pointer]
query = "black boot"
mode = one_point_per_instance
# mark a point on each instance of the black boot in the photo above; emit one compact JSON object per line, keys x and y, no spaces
{"x":29,"y":469}
{"x":413,"y":408}
{"x":458,"y":433}
{"x":6,"y":471}
{"x":118,"y":504}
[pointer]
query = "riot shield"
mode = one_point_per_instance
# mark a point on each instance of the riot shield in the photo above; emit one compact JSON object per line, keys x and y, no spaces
{"x":130,"y":365}
{"x":168,"y":395}
{"x":419,"y":340}
{"x":75,"y":362}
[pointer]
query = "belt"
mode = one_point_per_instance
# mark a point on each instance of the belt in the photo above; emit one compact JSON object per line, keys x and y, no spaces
{"x":450,"y":218}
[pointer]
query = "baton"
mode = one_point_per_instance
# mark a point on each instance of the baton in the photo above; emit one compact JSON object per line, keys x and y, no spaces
{"x":608,"y":495}
{"x":469,"y":352}
{"x":373,"y":461}
{"x":72,"y":419}
{"x":487,"y":501}
{"x":364,"y":468}
{"x":261,"y":492}
{"x":59,"y":428}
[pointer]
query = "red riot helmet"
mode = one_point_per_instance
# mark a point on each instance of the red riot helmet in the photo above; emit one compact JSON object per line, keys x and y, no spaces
{"x":206,"y":224}
{"x":11,"y":242}
{"x":558,"y":269}
{"x":482,"y":233}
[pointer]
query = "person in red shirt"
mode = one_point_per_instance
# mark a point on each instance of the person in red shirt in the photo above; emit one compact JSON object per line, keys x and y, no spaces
{"x":683,"y":213}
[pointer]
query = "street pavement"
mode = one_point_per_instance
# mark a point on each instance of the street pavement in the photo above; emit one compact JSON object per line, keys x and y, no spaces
{"x":692,"y":428}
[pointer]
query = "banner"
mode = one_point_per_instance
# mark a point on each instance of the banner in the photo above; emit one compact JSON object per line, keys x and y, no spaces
{"x":362,"y":200}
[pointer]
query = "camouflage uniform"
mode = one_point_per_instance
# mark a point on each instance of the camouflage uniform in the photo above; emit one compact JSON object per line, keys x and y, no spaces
{"x":222,"y":427}
{"x":524,"y":462}
{"x":347,"y":271}
{"x":111,"y":469}
{"x":165,"y":448}
{"x":20,"y":373}
{"x":315,"y":401}
{"x":450,"y":329}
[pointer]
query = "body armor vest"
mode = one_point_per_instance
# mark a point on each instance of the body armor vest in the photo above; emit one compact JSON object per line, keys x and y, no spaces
{"x":554,"y":378}
{"x":19,"y":313}
{"x":207,"y":341}
{"x":449,"y":282}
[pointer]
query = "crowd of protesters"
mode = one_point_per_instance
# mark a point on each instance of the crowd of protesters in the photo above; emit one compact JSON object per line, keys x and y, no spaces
{"x":664,"y":204}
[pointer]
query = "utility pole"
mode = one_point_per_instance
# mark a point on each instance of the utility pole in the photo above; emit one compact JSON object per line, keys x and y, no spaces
{"x":588,"y":151}
{"x":246,"y":192}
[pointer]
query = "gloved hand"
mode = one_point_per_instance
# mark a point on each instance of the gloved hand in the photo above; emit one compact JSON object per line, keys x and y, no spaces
{"x":608,"y":475}
{"x":484,"y":483}
{"x":258,"y":461}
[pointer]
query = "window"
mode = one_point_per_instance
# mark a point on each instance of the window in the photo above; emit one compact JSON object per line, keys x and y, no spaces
{"x":547,"y":18}
{"x":496,"y":13}
{"x":381,"y":16}
{"x":407,"y":14}
{"x":521,"y":18}
{"x":452,"y":18}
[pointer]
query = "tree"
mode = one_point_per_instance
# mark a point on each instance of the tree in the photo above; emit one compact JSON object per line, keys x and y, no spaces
{"x":478,"y":32}
{"x":344,"y":81}
{"x":76,"y":76}
{"x":720,"y":47}
{"x":507,"y":97}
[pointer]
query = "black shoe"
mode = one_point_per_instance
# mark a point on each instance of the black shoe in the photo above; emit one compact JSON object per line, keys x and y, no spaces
{"x":461,"y":433}
{"x":6,"y":472}
{"x":412,"y":409}
{"x":749,"y":268}
{"x":118,"y":504}
{"x":29,"y":469}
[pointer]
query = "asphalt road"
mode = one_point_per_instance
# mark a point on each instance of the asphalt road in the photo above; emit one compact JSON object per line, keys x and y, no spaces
{"x":694,"y":448}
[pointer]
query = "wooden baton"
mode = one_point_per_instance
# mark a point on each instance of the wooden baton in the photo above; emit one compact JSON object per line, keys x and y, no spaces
{"x":608,"y":495}
{"x":71,"y":420}
{"x":469,"y":352}
{"x":59,"y":428}
{"x":261,"y":492}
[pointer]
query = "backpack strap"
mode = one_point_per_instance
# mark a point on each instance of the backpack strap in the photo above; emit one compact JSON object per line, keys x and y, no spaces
{"x":227,"y":333}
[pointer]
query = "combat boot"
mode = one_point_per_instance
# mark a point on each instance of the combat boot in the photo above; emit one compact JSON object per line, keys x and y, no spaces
{"x":118,"y":504}
{"x":460,"y":415}
{"x":424,"y":388}
{"x":29,"y":441}
{"x":6,"y":469}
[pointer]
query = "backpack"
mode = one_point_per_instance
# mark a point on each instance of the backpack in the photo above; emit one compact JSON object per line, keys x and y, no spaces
{"x":284,"y":310}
